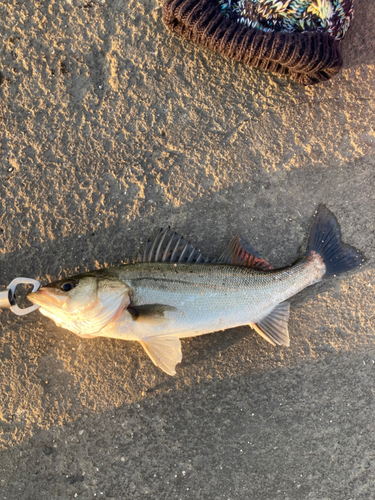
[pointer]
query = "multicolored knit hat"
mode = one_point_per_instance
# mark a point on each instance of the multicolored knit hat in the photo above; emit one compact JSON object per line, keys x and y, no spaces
{"x":298,"y":38}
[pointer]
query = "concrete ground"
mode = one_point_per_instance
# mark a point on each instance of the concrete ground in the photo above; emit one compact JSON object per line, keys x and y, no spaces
{"x":111,"y":127}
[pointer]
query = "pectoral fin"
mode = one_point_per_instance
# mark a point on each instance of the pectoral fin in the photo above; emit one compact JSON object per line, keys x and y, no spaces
{"x":274,"y":327}
{"x":165,"y":352}
{"x":154,"y":313}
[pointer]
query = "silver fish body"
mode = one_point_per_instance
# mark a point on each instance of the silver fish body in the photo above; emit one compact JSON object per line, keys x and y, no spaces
{"x":206,"y":298}
{"x":175,"y":292}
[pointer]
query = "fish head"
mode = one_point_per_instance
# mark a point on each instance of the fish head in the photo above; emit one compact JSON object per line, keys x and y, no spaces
{"x":83,"y":304}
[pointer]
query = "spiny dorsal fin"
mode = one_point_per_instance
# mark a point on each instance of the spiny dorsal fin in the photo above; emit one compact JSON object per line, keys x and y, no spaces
{"x":240,"y":253}
{"x":170,"y":247}
{"x":152,"y":313}
{"x":274,"y":327}
{"x":165,"y":352}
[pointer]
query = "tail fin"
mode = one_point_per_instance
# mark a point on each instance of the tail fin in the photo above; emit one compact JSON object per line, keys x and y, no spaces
{"x":325,"y":240}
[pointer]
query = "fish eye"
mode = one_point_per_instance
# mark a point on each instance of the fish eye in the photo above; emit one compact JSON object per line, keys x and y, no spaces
{"x":68,"y":285}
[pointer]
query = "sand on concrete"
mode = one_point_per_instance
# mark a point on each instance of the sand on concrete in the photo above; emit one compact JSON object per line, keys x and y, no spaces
{"x":112,"y":127}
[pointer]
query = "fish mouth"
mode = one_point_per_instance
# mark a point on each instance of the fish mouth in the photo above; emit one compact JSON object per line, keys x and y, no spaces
{"x":46,"y":298}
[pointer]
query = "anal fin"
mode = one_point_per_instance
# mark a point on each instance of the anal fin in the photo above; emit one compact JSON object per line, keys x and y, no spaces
{"x":274,"y":327}
{"x":165,"y":352}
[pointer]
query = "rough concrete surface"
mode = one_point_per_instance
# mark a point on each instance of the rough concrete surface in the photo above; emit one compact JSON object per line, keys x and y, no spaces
{"x":111,"y":127}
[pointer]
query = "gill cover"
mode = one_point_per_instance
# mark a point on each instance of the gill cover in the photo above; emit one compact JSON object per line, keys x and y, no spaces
{"x":85,"y":305}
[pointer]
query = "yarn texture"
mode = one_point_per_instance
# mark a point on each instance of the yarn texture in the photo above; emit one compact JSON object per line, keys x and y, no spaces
{"x":296,"y":38}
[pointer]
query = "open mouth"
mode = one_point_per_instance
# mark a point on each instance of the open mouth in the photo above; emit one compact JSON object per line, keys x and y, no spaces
{"x":44,"y":297}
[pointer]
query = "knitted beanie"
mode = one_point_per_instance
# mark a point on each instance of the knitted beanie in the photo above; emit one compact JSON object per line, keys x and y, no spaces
{"x":298,"y":38}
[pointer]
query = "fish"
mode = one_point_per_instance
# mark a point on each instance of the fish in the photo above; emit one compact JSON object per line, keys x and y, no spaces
{"x":173,"y":291}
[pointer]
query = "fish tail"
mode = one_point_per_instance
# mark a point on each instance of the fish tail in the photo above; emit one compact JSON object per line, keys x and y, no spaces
{"x":325,"y":240}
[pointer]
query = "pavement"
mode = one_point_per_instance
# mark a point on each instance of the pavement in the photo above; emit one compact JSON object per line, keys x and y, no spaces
{"x":110,"y":128}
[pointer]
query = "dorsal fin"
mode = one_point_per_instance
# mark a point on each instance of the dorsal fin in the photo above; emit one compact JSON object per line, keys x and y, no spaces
{"x":240,"y":253}
{"x":170,"y":247}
